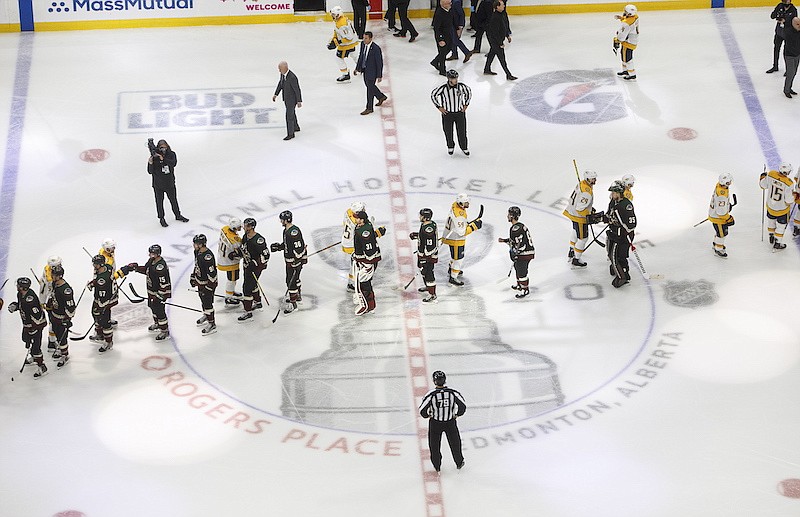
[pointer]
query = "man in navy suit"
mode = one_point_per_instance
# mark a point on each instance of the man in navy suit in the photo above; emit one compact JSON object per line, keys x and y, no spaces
{"x":290,"y":86}
{"x":370,"y":64}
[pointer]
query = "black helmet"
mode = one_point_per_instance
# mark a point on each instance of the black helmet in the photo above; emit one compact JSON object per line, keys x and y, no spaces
{"x":200,"y":239}
{"x":361,"y":214}
{"x":426,"y":214}
{"x":514,"y":212}
{"x":57,"y":271}
{"x":286,"y":216}
{"x":98,"y":260}
{"x":452,"y":74}
{"x":155,"y":248}
{"x":23,"y":282}
{"x":439,"y":378}
{"x":250,"y":222}
{"x":617,"y":186}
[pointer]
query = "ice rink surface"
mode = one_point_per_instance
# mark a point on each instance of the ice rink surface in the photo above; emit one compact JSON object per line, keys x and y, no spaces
{"x":670,"y":396}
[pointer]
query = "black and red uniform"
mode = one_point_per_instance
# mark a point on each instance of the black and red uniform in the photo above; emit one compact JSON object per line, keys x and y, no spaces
{"x":62,"y":310}
{"x":105,"y":297}
{"x":33,"y":322}
{"x":427,"y":253}
{"x":255,"y":255}
{"x":521,"y":251}
{"x":159,"y":289}
{"x":204,"y":277}
{"x":366,"y":255}
{"x":295,"y":254}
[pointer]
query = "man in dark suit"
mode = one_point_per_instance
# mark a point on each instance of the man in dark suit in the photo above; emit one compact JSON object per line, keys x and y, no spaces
{"x":292,"y":97}
{"x":370,"y":64}
{"x":443,"y":30}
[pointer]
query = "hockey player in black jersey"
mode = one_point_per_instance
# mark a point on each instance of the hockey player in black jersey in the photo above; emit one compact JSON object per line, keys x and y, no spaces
{"x":204,"y":277}
{"x":255,"y":255}
{"x":520,"y":249}
{"x":621,"y":221}
{"x":427,"y":252}
{"x":295,"y":253}
{"x":367,"y":254}
{"x":33,"y":321}
{"x":159,"y":288}
{"x":105,"y":297}
{"x":62,"y":309}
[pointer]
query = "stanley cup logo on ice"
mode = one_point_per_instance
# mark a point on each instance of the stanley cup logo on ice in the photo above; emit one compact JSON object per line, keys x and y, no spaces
{"x":361,"y":383}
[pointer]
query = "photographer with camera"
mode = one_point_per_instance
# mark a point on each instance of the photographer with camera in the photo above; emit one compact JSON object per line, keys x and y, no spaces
{"x":161,"y":166}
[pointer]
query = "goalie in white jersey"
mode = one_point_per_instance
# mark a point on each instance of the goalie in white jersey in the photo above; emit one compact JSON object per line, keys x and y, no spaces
{"x":455,"y":235}
{"x":228,"y":259}
{"x":779,"y":192}
{"x":578,"y":208}
{"x":719,"y":213}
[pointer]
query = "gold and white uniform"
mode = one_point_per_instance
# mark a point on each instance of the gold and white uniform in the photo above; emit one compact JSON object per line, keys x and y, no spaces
{"x":579,"y":206}
{"x":229,"y":241}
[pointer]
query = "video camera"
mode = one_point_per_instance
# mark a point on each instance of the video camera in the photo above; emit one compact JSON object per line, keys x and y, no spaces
{"x":153,"y":149}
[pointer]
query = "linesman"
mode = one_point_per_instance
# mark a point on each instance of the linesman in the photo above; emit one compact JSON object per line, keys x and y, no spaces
{"x":441,"y":406}
{"x":452,"y":100}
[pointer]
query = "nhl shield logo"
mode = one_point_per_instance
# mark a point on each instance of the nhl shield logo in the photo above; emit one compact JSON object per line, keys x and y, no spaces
{"x":570,"y":97}
{"x":691,"y":294}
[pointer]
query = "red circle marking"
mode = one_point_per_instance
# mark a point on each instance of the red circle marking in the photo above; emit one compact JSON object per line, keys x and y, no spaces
{"x":94,"y":155}
{"x":790,"y":488}
{"x":682,"y":133}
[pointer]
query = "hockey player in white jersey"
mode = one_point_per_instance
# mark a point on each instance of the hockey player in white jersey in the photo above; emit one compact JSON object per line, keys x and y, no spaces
{"x":229,"y":243}
{"x":779,"y":193}
{"x":628,"y":180}
{"x":45,"y":292}
{"x":796,"y":220}
{"x":627,"y":37}
{"x":719,"y":212}
{"x":578,"y":208}
{"x":455,"y":232}
{"x":344,"y":41}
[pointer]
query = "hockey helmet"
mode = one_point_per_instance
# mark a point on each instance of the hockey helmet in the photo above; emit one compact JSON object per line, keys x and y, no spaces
{"x":155,"y":249}
{"x":200,"y":239}
{"x":617,"y":186}
{"x":514,"y":212}
{"x":98,"y":260}
{"x":452,"y":74}
{"x":630,"y":10}
{"x":109,"y":245}
{"x":57,"y":271}
{"x":426,"y":214}
{"x":286,"y":216}
{"x":54,"y":260}
{"x":589,"y":175}
{"x":361,"y":214}
{"x":462,"y":199}
{"x":357,"y":206}
{"x":250,"y":222}
{"x":785,"y":169}
{"x":23,"y":282}
{"x":235,"y":224}
{"x":336,"y":12}
{"x":726,"y":178}
{"x":629,"y":180}
{"x":439,"y":378}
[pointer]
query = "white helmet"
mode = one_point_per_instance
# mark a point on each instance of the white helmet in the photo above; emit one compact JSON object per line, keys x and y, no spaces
{"x":336,"y":12}
{"x":357,"y":206}
{"x":628,"y":180}
{"x":109,"y":244}
{"x":630,"y":9}
{"x":235,"y":223}
{"x":589,"y":175}
{"x":462,"y":199}
{"x":785,"y":169}
{"x":54,"y":261}
{"x":726,"y":178}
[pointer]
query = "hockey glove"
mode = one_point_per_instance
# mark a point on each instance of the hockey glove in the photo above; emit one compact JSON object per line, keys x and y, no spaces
{"x":513,"y":253}
{"x":13,"y":307}
{"x":192,"y":281}
{"x":276,"y":246}
{"x":381,"y":231}
{"x":90,"y":285}
{"x":616,"y":46}
{"x":413,"y":236}
{"x":763,"y":175}
{"x":331,"y":45}
{"x":1,"y":303}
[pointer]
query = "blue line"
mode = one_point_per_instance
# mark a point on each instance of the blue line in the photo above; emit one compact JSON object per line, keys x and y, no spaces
{"x":25,"y":15}
{"x":751,"y":102}
{"x":16,"y":123}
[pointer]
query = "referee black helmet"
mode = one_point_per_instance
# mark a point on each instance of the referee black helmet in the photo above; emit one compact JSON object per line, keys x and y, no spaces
{"x":452,"y":74}
{"x":439,"y":378}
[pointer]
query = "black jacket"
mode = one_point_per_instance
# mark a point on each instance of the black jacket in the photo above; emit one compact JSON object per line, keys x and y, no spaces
{"x":163,"y":171}
{"x":443,"y":25}
{"x":497,"y":30}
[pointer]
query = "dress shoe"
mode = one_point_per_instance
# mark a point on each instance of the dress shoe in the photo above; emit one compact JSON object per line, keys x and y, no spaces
{"x":399,"y":35}
{"x":381,"y":101}
{"x":434,"y":65}
{"x":773,"y":69}
{"x":288,"y":137}
{"x":366,"y":112}
{"x":163,"y":222}
{"x":182,"y":219}
{"x":793,"y":92}
{"x":788,"y":95}
{"x":511,"y":78}
{"x":451,"y":58}
{"x":467,"y":56}
{"x":489,"y":72}
{"x":413,"y":39}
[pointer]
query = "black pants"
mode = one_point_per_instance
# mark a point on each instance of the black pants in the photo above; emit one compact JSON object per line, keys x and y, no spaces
{"x":500,"y":52}
{"x":459,"y":118}
{"x":61,"y":330}
{"x":458,"y":44}
{"x":618,"y":250}
{"x":521,"y":269}
{"x":479,"y":31}
{"x":391,"y":9}
{"x":293,"y":281}
{"x":206,"y":294}
{"x":359,"y":17}
{"x":172,"y":195}
{"x":250,"y":291}
{"x":159,"y":311}
{"x":435,"y":430}
{"x":102,"y":322}
{"x":33,"y":341}
{"x":776,"y":51}
{"x":373,"y":92}
{"x":441,"y":57}
{"x":405,"y":23}
{"x":291,"y":119}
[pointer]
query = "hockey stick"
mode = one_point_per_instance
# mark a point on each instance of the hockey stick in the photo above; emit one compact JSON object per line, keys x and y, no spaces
{"x":25,"y":363}
{"x":217,"y":295}
{"x":115,"y":282}
{"x":507,"y":276}
{"x":323,"y":249}
{"x":601,"y":244}
{"x":291,"y":280}
{"x":4,"y":284}
{"x":480,"y":214}
{"x":83,"y":336}
{"x":36,"y":277}
{"x":701,"y":222}
{"x":735,"y":202}
{"x":763,"y":203}
{"x":645,"y":274}
{"x":165,"y":302}
{"x":260,"y":289}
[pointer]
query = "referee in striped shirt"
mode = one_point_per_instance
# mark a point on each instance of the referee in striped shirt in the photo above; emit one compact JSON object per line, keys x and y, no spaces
{"x":442,"y":406}
{"x":452,"y":100}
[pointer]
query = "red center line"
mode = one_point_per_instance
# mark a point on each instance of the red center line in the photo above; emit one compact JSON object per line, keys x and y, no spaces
{"x":404,"y":255}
